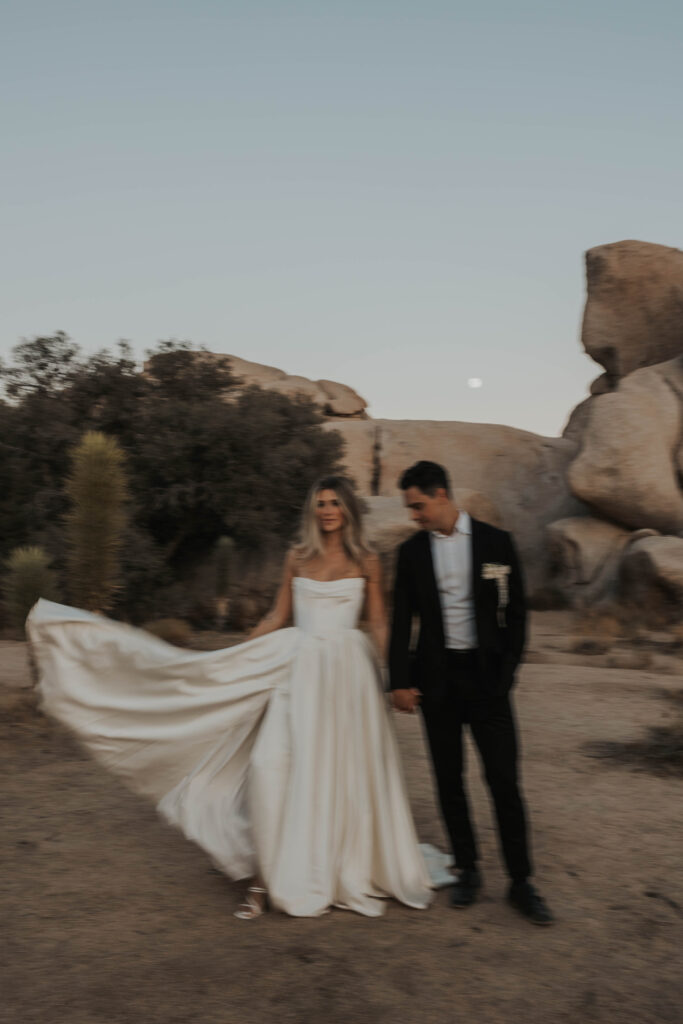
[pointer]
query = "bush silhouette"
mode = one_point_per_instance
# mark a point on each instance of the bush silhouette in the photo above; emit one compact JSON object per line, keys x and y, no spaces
{"x":28,"y":578}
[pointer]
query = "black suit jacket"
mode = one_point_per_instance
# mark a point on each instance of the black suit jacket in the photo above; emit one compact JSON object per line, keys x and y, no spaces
{"x":500,"y":634}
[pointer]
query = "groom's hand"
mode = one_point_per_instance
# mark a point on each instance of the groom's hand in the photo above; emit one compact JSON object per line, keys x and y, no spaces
{"x":406,"y":700}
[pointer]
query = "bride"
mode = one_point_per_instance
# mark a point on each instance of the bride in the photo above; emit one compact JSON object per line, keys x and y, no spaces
{"x":276,"y":756}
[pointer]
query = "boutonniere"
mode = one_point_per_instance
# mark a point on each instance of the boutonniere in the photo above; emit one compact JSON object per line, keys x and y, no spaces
{"x":498,"y":572}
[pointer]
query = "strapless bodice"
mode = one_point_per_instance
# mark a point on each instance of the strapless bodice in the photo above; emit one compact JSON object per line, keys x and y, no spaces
{"x":322,"y":607}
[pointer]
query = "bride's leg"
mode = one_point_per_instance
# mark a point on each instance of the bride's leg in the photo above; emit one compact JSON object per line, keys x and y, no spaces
{"x":255,"y":902}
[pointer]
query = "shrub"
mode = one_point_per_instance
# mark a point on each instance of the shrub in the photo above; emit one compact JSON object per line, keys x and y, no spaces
{"x":224,"y":552}
{"x":224,"y":555}
{"x":29,"y":577}
{"x":205,"y":458}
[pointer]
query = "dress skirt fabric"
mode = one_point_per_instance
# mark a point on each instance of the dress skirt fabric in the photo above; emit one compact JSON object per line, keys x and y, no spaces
{"x":276,"y":756}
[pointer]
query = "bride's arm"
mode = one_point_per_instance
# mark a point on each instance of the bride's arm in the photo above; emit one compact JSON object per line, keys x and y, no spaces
{"x":281,"y":612}
{"x":374,"y":605}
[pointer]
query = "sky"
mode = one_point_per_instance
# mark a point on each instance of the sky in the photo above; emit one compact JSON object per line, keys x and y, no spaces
{"x":393,"y":195}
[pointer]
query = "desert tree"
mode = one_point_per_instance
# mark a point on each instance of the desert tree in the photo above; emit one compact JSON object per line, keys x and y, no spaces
{"x":205,"y":457}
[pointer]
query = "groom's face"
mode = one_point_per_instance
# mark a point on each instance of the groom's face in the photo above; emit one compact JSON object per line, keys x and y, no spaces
{"x":427,"y":510}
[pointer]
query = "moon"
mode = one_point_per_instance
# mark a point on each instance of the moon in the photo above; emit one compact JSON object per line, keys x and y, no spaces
{"x":474,"y":382}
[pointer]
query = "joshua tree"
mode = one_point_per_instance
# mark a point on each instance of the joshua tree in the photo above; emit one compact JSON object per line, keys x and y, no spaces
{"x":98,"y":490}
{"x":224,"y":550}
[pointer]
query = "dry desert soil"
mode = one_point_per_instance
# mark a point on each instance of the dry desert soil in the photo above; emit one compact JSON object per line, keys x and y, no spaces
{"x":111,"y":917}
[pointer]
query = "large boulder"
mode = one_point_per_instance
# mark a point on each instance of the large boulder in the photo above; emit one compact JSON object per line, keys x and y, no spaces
{"x":361,"y":455}
{"x":521,"y":475}
{"x":341,"y":400}
{"x":585,"y":557}
{"x":387,"y":522}
{"x":634,"y":306}
{"x":578,"y":421}
{"x":651,"y":578}
{"x":627,"y":466}
{"x":332,"y":398}
{"x":479,"y":506}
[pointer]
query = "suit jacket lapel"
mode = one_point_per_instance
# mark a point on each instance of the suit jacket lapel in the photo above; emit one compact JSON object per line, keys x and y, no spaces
{"x":477,"y":585}
{"x":476,"y":560}
{"x":429,"y":581}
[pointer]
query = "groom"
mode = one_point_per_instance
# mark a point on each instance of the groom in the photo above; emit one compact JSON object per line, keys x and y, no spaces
{"x":462,"y":581}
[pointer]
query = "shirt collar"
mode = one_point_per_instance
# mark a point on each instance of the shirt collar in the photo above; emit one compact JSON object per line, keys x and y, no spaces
{"x":462,"y":525}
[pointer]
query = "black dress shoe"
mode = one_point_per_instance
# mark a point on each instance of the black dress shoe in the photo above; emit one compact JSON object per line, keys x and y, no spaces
{"x":464,"y":892}
{"x":524,"y":898}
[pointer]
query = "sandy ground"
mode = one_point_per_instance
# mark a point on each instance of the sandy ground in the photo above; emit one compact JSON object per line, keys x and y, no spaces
{"x":112,"y":917}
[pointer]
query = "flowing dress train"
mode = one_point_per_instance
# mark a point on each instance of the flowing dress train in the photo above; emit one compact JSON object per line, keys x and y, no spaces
{"x":276,"y":756}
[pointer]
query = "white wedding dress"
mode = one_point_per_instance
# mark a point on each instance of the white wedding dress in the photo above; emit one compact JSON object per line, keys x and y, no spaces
{"x":276,"y":756}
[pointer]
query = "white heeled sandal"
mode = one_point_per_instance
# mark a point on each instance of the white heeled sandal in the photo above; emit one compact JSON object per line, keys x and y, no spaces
{"x":253,"y":906}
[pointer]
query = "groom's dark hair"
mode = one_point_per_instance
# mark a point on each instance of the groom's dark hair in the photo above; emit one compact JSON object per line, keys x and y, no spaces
{"x":427,"y":477}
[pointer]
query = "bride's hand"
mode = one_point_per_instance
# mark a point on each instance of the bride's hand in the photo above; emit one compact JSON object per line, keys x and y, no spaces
{"x":281,"y":612}
{"x":406,"y":700}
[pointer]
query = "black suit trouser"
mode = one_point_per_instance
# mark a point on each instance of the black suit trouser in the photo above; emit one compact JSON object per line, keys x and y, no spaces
{"x":492,"y":725}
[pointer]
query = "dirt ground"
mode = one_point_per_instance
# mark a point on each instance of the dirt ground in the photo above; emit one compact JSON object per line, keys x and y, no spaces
{"x":111,"y":917}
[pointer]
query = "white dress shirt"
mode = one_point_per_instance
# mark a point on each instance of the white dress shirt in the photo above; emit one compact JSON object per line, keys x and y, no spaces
{"x":452,"y":558}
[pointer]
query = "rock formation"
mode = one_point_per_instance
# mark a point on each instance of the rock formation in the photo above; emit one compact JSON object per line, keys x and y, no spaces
{"x":510,"y":477}
{"x":585,"y":557}
{"x":627,"y":466}
{"x":651,"y":579}
{"x":335,"y":400}
{"x":634,"y":306}
{"x":596,"y":513}
{"x":387,"y":524}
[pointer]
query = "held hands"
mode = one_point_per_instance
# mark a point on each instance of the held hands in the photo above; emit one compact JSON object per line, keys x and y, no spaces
{"x":406,"y":700}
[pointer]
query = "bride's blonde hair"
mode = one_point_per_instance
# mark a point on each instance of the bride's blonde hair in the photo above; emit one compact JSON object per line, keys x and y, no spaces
{"x":310,"y":539}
